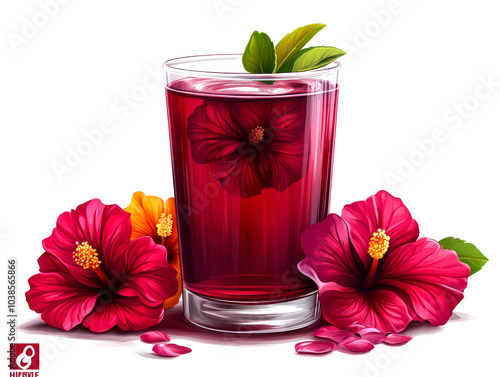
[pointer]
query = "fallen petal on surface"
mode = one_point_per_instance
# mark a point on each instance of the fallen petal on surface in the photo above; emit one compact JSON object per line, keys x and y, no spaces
{"x":315,"y":347}
{"x":368,"y":330}
{"x":357,"y":327}
{"x":357,"y":345}
{"x":155,"y":337}
{"x":333,"y":333}
{"x":372,"y":334}
{"x":397,"y":339}
{"x":170,"y":350}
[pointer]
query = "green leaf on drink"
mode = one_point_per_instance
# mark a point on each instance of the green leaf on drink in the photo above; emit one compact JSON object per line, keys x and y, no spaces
{"x":259,"y":55}
{"x":293,"y":43}
{"x":467,"y":253}
{"x":314,"y":57}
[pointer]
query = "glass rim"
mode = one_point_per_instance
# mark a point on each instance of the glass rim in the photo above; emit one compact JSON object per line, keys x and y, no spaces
{"x":170,"y":67}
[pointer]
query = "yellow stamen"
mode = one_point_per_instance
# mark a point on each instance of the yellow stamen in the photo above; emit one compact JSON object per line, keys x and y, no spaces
{"x":86,"y":256}
{"x":165,"y":225}
{"x":379,"y":244}
{"x":256,"y":135}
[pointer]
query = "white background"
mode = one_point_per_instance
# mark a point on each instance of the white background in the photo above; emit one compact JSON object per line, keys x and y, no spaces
{"x":409,"y":65}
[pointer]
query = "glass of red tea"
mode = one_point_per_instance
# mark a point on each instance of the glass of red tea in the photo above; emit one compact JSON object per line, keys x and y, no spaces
{"x":252,"y":158}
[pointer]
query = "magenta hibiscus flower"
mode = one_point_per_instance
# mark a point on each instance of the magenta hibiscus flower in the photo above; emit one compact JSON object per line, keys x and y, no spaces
{"x":91,"y":273}
{"x":250,"y":146}
{"x":371,"y":269}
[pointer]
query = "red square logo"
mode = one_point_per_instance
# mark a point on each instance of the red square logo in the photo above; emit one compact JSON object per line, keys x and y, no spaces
{"x":24,"y":356}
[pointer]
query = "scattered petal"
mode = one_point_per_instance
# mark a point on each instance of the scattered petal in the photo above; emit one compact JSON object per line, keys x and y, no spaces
{"x":356,"y":345}
{"x":356,"y":327}
{"x":333,"y":333}
{"x":170,"y":350}
{"x":372,"y":334}
{"x":155,"y":337}
{"x":367,"y":330}
{"x":397,"y":339}
{"x":315,"y":347}
{"x":374,"y":338}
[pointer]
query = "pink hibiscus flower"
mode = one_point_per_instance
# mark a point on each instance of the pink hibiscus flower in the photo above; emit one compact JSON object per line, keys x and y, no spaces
{"x":370,"y":268}
{"x":250,"y":146}
{"x":92,"y":274}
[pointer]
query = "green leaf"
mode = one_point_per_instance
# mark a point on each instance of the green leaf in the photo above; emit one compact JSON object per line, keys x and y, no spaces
{"x":312,"y":58}
{"x":467,"y":253}
{"x":259,"y":55}
{"x":293,"y":43}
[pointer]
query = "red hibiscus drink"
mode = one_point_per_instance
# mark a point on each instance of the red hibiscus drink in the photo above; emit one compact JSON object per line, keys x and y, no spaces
{"x":252,"y":160}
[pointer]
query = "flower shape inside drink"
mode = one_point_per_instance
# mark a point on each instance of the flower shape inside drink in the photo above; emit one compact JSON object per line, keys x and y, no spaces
{"x":250,"y":145}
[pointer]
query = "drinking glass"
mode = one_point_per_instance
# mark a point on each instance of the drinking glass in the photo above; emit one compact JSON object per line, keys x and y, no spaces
{"x":252,"y":158}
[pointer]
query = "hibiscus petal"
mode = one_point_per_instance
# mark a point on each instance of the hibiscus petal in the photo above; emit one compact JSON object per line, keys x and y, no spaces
{"x":367,"y":330}
{"x":172,"y":241}
{"x":284,"y":119}
{"x":283,"y":164}
{"x":238,"y":174}
{"x":431,"y":280}
{"x":213,"y":132}
{"x":333,"y":333}
{"x":147,"y":273}
{"x":61,"y":304}
{"x":155,"y":337}
{"x":383,"y":211}
{"x":133,"y":315}
{"x":60,"y":246}
{"x":50,"y":263}
{"x":251,"y":114}
{"x":287,"y":120}
{"x":173,"y":253}
{"x":382,"y":309}
{"x":103,"y":317}
{"x":174,"y":300}
{"x":329,"y":256}
{"x":145,"y":211}
{"x":129,"y":313}
{"x":315,"y":347}
{"x":397,"y":339}
{"x":170,"y":350}
{"x":219,"y":113}
{"x":105,"y":228}
{"x":372,"y":334}
{"x":356,"y":345}
{"x":356,"y":327}
{"x":114,"y":234}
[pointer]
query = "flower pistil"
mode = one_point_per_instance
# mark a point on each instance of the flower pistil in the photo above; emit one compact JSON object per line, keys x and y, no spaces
{"x":88,"y":258}
{"x":165,"y":225}
{"x":379,"y":244}
{"x":256,"y":135}
{"x":377,"y":247}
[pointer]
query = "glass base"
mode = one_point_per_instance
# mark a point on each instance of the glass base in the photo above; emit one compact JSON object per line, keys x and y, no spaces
{"x":251,"y":317}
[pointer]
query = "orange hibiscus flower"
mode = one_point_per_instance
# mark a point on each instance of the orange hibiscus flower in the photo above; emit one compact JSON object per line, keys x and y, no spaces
{"x":151,"y":216}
